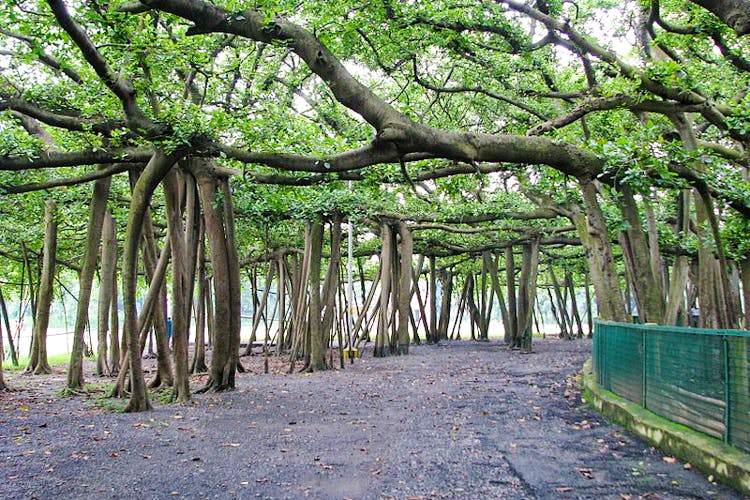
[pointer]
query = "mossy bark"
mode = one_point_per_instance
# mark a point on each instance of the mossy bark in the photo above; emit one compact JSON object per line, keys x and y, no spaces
{"x":106,"y":280}
{"x":38,"y":363}
{"x":75,"y":378}
{"x":406,"y":250}
{"x":218,"y":213}
{"x":386,"y":263}
{"x":155,"y":170}
{"x":592,"y":229}
{"x":317,"y":344}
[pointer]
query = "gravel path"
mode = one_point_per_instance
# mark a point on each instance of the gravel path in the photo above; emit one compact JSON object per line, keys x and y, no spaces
{"x":459,"y":420}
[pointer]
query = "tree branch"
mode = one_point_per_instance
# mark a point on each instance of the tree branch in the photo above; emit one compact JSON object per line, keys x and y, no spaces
{"x":119,"y":86}
{"x":101,"y":173}
{"x":86,"y":157}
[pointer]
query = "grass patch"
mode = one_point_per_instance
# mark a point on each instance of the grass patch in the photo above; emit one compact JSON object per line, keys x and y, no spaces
{"x":54,"y":360}
{"x":111,"y":404}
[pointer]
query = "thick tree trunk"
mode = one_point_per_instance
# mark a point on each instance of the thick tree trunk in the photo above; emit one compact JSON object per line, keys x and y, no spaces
{"x":181,"y":286}
{"x":114,"y":331}
{"x":647,"y":286}
{"x":97,"y":209}
{"x":446,"y":284}
{"x":199,"y":354}
{"x":38,"y":363}
{"x":107,"y":277}
{"x":317,"y":345}
{"x":155,"y":170}
{"x":710,"y":296}
{"x":658,"y":268}
{"x":433,"y":337}
{"x":727,"y":308}
{"x":300,"y":302}
{"x":680,"y":269}
{"x":219,"y":219}
{"x":493,"y":267}
{"x":386,"y":262}
{"x":527,"y":294}
{"x":331,"y":283}
{"x":592,"y":229}
{"x":404,"y":303}
{"x":510,"y":283}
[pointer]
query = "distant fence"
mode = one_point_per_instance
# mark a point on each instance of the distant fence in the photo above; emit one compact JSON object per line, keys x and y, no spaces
{"x":695,"y":377}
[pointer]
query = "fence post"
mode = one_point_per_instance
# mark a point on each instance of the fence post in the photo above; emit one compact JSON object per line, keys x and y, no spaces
{"x":727,"y":386}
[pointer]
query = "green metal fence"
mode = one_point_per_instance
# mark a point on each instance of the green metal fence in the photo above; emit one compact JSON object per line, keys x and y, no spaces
{"x":698,"y":378}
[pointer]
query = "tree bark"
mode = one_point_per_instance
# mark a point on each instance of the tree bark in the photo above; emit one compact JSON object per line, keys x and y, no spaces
{"x":510,"y":283}
{"x":114,"y":330}
{"x":446,"y":284}
{"x":527,"y":293}
{"x":647,"y":286}
{"x":199,"y":354}
{"x":181,"y":286}
{"x":386,"y":261}
{"x":735,"y":13}
{"x":38,"y":363}
{"x":681,"y":267}
{"x":331,"y":283}
{"x":592,"y":229}
{"x":106,"y":279}
{"x":218,"y":213}
{"x":404,"y":303}
{"x":317,"y":345}
{"x":154,"y":313}
{"x":155,"y":170}
{"x":432,"y":338}
{"x":75,"y":379}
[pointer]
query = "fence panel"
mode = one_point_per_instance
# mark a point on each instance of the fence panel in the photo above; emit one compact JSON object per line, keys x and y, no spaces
{"x":698,"y":378}
{"x":739,"y":392}
{"x":623,"y":362}
{"x":685,"y":380}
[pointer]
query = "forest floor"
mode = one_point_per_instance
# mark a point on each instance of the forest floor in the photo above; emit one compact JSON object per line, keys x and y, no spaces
{"x":456,"y":420}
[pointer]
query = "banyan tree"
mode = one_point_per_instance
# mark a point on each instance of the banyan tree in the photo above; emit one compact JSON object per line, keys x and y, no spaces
{"x":380,"y":171}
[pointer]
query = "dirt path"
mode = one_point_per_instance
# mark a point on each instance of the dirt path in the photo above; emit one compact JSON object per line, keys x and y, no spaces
{"x":459,"y":420}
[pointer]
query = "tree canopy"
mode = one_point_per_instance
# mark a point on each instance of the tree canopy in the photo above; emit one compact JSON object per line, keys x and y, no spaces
{"x":613,"y":133}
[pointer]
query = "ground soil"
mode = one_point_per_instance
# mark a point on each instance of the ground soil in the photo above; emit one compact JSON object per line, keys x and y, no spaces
{"x":456,"y":420}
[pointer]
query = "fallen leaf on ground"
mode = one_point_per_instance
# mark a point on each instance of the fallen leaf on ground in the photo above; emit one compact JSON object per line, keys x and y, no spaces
{"x":586,"y":472}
